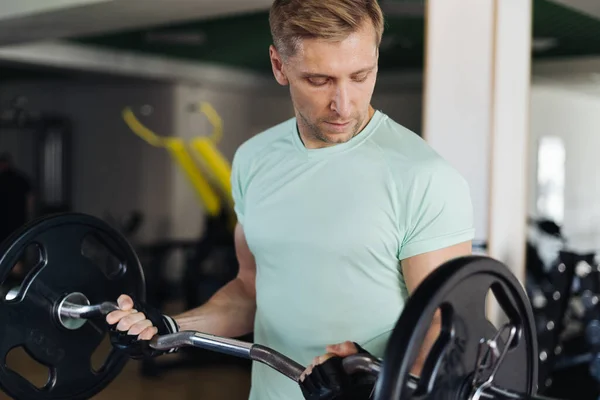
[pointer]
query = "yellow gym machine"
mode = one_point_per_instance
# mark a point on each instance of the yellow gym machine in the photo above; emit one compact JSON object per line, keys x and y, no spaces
{"x":208,"y":171}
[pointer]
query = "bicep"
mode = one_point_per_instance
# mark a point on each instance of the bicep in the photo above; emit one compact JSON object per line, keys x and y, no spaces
{"x":415,"y":269}
{"x":247,"y":264}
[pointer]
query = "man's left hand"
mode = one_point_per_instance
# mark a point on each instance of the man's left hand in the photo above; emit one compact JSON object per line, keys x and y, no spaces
{"x":326,"y":379}
{"x":340,"y":350}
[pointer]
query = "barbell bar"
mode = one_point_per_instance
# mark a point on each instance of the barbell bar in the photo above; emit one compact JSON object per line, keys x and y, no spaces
{"x":73,"y":314}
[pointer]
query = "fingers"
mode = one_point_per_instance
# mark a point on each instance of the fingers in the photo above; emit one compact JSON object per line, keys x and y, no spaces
{"x":306,"y":372}
{"x":148,"y":333}
{"x":125,"y":302}
{"x":126,"y":323}
{"x":321,"y":359}
{"x":116,"y":316}
{"x":139,"y":327}
{"x":342,"y":349}
{"x":130,"y":320}
{"x":316,"y":361}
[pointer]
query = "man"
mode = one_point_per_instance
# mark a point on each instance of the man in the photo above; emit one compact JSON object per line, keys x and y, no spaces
{"x":341,"y":211}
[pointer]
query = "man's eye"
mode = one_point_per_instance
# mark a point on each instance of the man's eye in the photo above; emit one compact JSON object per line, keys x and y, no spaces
{"x":361,"y":78}
{"x":317,"y":81}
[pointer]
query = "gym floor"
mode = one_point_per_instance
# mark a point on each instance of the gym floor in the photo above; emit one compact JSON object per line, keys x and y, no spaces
{"x":210,"y":381}
{"x":214,"y":383}
{"x":225,"y":382}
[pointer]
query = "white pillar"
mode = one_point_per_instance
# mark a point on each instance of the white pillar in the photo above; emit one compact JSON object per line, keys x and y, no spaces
{"x":458,"y":92}
{"x":510,"y":132}
{"x":476,"y":109}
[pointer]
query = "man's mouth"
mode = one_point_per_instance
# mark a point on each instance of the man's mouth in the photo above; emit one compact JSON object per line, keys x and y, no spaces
{"x":338,"y":124}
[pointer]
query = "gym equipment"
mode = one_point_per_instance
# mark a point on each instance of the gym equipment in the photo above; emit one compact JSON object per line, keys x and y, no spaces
{"x":58,"y":316}
{"x":207,"y":153}
{"x":566,"y":306}
{"x":213,"y":187}
{"x":458,"y":290}
{"x":81,"y":261}
{"x":41,"y":146}
{"x":564,"y":288}
{"x":176,"y":147}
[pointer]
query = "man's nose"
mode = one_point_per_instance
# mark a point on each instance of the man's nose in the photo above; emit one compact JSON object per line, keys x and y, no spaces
{"x":341,"y":101}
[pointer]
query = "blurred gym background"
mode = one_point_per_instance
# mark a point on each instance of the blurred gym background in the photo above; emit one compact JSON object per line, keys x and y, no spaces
{"x":89,"y":87}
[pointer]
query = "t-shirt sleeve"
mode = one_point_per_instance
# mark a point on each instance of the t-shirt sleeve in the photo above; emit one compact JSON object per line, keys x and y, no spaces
{"x":237,"y":186}
{"x":439,"y":211}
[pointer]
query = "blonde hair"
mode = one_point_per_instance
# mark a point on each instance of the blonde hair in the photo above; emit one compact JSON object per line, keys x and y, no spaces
{"x":293,"y":20}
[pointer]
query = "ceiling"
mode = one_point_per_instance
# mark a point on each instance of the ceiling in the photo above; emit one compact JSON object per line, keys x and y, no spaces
{"x":591,"y":7}
{"x":236,"y":32}
{"x":32,"y":20}
{"x":242,"y":40}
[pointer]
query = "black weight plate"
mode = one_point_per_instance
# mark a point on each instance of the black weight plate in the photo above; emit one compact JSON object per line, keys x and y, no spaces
{"x":459,"y":289}
{"x":79,"y":253}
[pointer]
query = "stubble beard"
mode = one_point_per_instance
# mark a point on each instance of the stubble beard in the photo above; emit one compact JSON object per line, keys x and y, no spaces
{"x":316,"y":133}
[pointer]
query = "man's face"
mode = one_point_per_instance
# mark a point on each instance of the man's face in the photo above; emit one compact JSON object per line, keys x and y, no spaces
{"x":331,"y":85}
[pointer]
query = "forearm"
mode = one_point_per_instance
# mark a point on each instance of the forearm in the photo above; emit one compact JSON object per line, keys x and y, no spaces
{"x":430,"y":338}
{"x":229,"y":313}
{"x":416,"y":269}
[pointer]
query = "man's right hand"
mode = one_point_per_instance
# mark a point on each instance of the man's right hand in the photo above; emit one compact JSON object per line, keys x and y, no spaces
{"x":129,"y":320}
{"x":133,"y":325}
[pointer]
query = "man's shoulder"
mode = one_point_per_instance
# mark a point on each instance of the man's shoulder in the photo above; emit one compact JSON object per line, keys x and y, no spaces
{"x":398,"y":141}
{"x":406,"y":149}
{"x":410,"y":156}
{"x":261,"y":141}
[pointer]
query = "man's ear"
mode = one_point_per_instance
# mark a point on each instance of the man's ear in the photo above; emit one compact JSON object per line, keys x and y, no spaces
{"x":277,"y":65}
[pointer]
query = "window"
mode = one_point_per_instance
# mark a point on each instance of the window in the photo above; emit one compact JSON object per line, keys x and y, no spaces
{"x":551,"y":179}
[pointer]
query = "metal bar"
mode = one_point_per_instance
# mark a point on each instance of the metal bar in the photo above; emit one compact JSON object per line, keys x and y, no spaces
{"x":277,"y":361}
{"x":218,"y":344}
{"x":362,"y":363}
{"x":71,"y":310}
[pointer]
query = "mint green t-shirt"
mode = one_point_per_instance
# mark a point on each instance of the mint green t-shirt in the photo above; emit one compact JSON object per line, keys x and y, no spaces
{"x":328,"y":229}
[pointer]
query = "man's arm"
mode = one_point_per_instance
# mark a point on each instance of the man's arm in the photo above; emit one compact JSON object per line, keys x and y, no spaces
{"x":415,"y":270}
{"x":229,"y":312}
